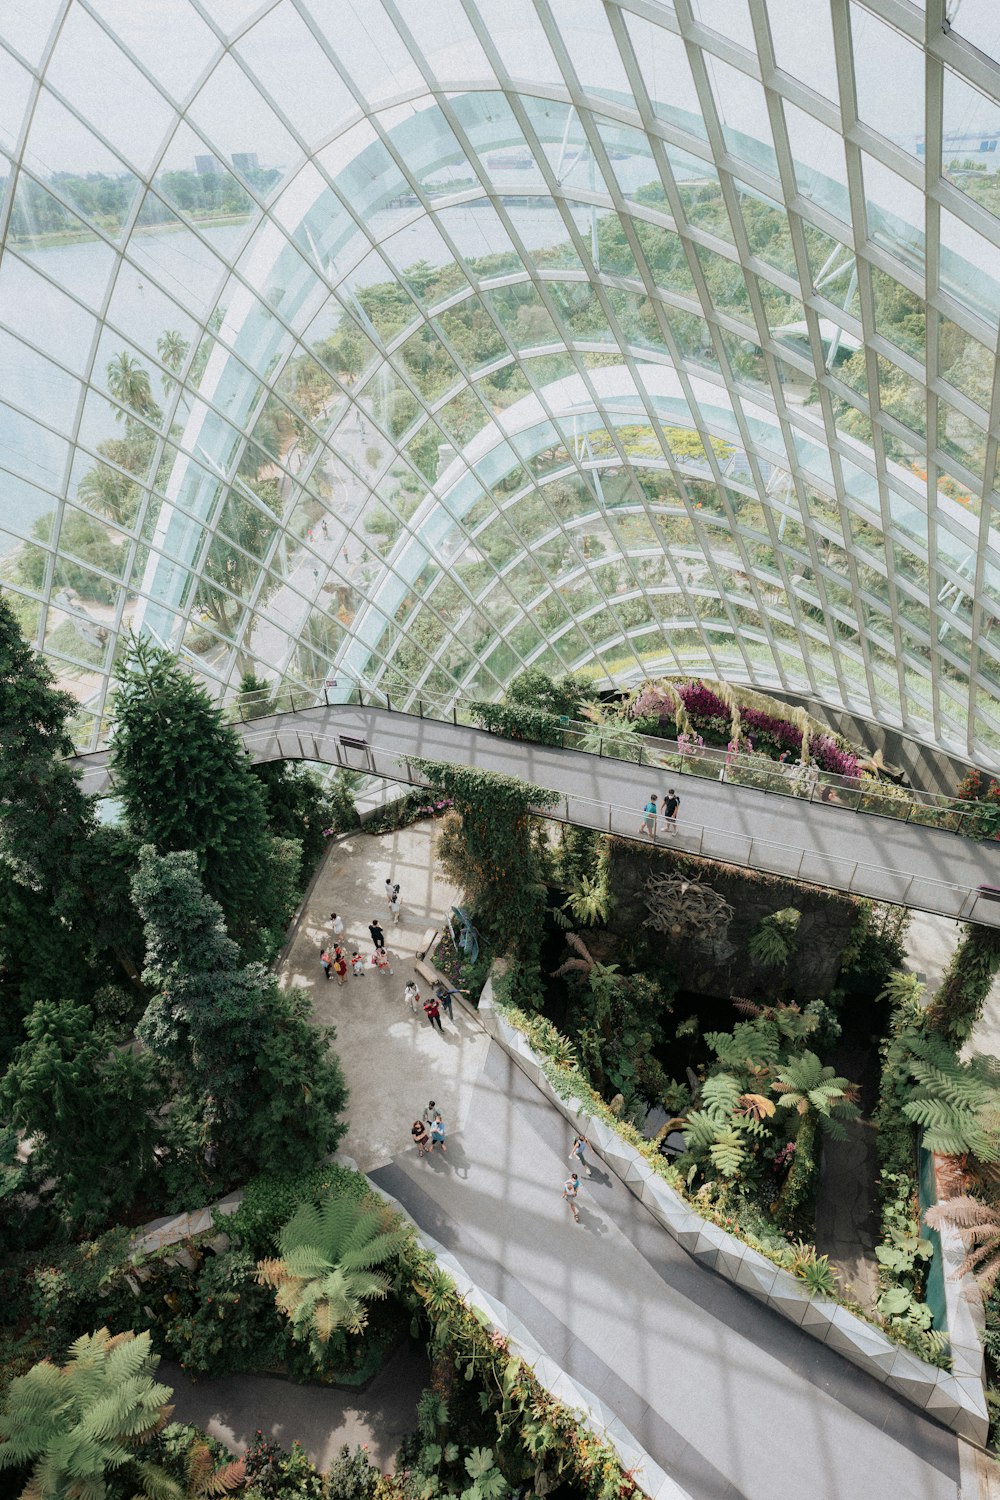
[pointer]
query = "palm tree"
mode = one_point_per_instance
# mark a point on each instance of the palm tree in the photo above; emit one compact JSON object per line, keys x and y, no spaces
{"x":805,"y":1084}
{"x":327,"y":1268}
{"x":980,"y":1226}
{"x":114,"y":495}
{"x":82,"y":1422}
{"x":172,"y":348}
{"x":128,"y":382}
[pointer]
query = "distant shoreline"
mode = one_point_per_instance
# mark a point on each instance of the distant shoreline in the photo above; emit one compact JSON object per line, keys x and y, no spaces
{"x":54,"y":239}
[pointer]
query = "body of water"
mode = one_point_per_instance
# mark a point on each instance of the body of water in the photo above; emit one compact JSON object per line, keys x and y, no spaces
{"x":195,"y":272}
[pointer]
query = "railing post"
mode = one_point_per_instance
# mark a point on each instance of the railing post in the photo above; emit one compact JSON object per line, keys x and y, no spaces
{"x":388,"y":704}
{"x":420,"y":707}
{"x":454,"y":712}
{"x":600,"y":745}
{"x":609,"y":817}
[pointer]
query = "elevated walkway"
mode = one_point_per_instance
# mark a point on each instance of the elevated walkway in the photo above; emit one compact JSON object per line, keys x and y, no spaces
{"x":927,"y":869}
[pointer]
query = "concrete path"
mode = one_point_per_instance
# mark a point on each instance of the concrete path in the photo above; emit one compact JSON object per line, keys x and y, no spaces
{"x":924,"y":868}
{"x":734,"y":1402}
{"x":731,"y":1400}
{"x":321,"y":1419}
{"x":394,"y":1061}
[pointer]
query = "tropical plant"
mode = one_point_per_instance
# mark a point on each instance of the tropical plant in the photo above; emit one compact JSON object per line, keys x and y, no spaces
{"x":681,"y":907}
{"x":979,"y":1224}
{"x":772,"y":941}
{"x":956,"y":1104}
{"x":129,"y":383}
{"x":590,"y":901}
{"x":80,"y":1424}
{"x":328,"y":1268}
{"x":172,"y":347}
{"x":609,"y":734}
{"x":805,"y":1084}
{"x":814,"y":1270}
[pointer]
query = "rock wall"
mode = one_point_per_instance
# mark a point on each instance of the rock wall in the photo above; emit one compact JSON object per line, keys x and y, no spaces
{"x":723,"y":967}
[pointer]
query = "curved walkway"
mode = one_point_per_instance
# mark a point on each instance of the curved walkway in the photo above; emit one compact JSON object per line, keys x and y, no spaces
{"x":731,"y":1400}
{"x":884,"y":859}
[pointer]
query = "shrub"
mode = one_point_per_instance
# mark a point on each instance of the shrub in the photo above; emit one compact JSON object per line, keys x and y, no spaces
{"x":352,"y":1475}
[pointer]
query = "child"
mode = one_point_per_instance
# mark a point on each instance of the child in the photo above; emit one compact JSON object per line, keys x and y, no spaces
{"x":358,"y":965}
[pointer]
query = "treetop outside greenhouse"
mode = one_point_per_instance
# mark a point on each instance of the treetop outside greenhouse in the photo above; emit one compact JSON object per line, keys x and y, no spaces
{"x":412,"y":344}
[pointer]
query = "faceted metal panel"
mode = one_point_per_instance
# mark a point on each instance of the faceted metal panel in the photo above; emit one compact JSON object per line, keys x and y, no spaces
{"x":417,"y":344}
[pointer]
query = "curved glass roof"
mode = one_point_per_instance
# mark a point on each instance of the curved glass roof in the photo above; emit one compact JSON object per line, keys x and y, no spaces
{"x":418,"y":341}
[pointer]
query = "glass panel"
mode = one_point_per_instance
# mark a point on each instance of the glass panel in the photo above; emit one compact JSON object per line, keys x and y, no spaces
{"x":880,"y":52}
{"x":970,"y":142}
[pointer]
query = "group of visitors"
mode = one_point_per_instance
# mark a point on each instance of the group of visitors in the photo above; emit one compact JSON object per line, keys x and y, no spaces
{"x":428,"y":1131}
{"x":336,"y":959}
{"x":440,"y":999}
{"x":670,"y":808}
{"x":571,"y":1187}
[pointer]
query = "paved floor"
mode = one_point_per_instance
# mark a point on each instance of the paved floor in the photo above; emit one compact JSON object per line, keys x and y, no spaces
{"x":730,"y":1399}
{"x":394,"y":1061}
{"x":319,"y":1419}
{"x":877,"y":857}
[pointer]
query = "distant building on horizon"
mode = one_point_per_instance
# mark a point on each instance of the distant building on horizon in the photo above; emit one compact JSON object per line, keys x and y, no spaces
{"x":207,"y":165}
{"x":245,"y":161}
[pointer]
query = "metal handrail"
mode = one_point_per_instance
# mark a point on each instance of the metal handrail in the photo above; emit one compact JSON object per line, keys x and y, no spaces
{"x":807,"y":783}
{"x":855,"y":877}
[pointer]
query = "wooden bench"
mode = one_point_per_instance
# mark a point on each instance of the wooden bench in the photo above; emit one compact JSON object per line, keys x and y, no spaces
{"x":427,"y":972}
{"x":427,"y":942}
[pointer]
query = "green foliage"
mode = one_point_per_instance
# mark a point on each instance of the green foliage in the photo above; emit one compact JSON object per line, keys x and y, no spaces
{"x":168,"y":733}
{"x":773,"y":940}
{"x":224,"y":1325}
{"x":270,"y":1200}
{"x":274,"y":1474}
{"x":958,"y":1003}
{"x":805,"y":1084}
{"x":76,"y":1426}
{"x":351,"y":1475}
{"x":90,"y":1108}
{"x":517,"y":722}
{"x":534,"y":689}
{"x":814,"y":1270}
{"x":956,"y":1104}
{"x":63,"y":882}
{"x":268,"y":1092}
{"x":87,"y":552}
{"x":489,"y":850}
{"x":330,"y":1265}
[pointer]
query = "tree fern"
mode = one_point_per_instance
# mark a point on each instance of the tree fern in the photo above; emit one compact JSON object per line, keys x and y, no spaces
{"x":979,"y":1224}
{"x":805,"y":1085}
{"x":957,"y":1104}
{"x":82,"y":1422}
{"x":327,"y":1270}
{"x":720,"y":1095}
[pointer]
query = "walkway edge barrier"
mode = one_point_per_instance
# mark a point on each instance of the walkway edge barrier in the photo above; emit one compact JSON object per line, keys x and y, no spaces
{"x":589,"y":1409}
{"x":956,"y":1400}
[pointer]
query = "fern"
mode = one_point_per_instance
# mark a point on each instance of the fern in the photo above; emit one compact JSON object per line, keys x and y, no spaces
{"x":720,"y":1096}
{"x":728,"y":1153}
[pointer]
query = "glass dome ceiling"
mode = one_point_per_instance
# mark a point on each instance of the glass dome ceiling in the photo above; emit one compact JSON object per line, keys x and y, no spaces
{"x":423,"y":340}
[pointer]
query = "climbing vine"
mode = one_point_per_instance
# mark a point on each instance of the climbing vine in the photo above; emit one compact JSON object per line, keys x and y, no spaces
{"x":487,"y":847}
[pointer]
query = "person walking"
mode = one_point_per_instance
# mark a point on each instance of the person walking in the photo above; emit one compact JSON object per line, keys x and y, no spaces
{"x":411,"y":995}
{"x":378,"y":936}
{"x":326,"y":961}
{"x":421,"y":1139}
{"x":648,"y":824}
{"x":433,"y":1012}
{"x":671,"y":807}
{"x":437,"y":1133}
{"x":429,"y":1113}
{"x":444,"y":997}
{"x":395,"y":905}
{"x":357,"y":965}
{"x":381,"y":960}
{"x":571,"y":1188}
{"x":389,"y":888}
{"x":340,"y":965}
{"x":336,"y":925}
{"x":577,"y":1152}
